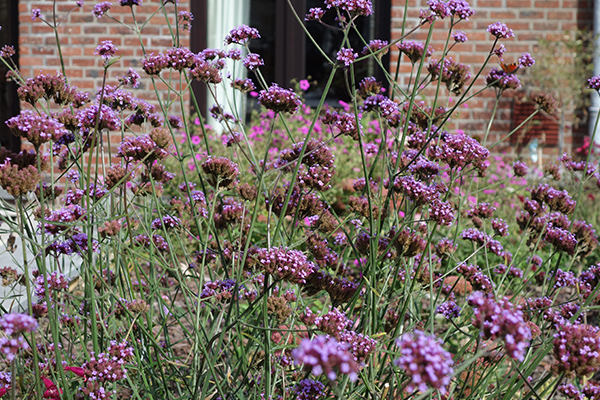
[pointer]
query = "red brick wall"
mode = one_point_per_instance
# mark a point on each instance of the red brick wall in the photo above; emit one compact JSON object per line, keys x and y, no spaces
{"x":530,"y":20}
{"x":79,"y":34}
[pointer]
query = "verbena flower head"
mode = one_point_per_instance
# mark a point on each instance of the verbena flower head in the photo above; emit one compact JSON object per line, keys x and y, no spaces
{"x":594,"y":82}
{"x":101,"y":8}
{"x":309,"y":389}
{"x":106,"y":49}
{"x":131,"y":79}
{"x":526,"y":60}
{"x":414,"y":50}
{"x":16,"y":324}
{"x":220,"y":170}
{"x":241,"y":35}
{"x":425,"y":361}
{"x":501,"y":319}
{"x":520,"y":168}
{"x":459,"y":36}
{"x":35,"y":14}
{"x":131,"y":3}
{"x":325,"y":355}
{"x":17,"y":180}
{"x":346,"y":57}
{"x":439,"y":8}
{"x":460,"y":9}
{"x":314,"y":14}
{"x":503,"y":80}
{"x":279,"y":100}
{"x":253,"y":61}
{"x":36,"y":128}
{"x":360,"y":7}
{"x":452,"y":73}
{"x":500,"y":30}
{"x":285,"y":264}
{"x":449,"y":309}
{"x":577,"y":348}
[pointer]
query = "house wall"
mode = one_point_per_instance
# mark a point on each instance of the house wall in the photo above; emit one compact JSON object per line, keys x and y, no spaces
{"x":80,"y":32}
{"x":530,"y":20}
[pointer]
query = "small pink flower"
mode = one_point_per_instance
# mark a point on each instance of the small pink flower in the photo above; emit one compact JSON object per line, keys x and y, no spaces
{"x":196,"y":140}
{"x":304,"y":85}
{"x":345,"y":105}
{"x":254,"y":94}
{"x":197,"y":121}
{"x":76,"y":370}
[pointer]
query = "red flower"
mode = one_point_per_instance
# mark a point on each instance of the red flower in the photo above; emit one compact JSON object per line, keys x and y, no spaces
{"x":4,"y":390}
{"x":76,"y":370}
{"x":52,"y":392}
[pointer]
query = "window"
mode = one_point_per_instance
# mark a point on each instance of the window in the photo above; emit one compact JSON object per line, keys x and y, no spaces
{"x":288,"y":53}
{"x":9,"y":102}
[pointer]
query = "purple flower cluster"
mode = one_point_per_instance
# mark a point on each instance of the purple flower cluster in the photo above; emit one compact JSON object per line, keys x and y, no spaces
{"x":333,"y":323}
{"x":460,"y":9}
{"x":219,"y":290}
{"x":476,"y":277}
{"x":309,"y":389}
{"x":36,"y":128}
{"x":314,"y":14}
{"x":101,"y":8}
{"x":56,"y":283}
{"x":459,"y":150}
{"x":360,"y":7}
{"x":594,"y":82}
{"x":449,"y":309}
{"x":459,"y":36}
{"x":323,"y":354}
{"x":557,"y":200}
{"x":140,"y":148}
{"x":221,"y":171}
{"x":131,"y":3}
{"x":526,"y":60}
{"x":561,"y":239}
{"x":483,"y":239}
{"x":285,"y":264}
{"x":501,"y":319}
{"x":577,"y":348}
{"x":279,"y":100}
{"x":425,"y":361}
{"x":375,"y":46}
{"x":346,"y":57}
{"x":520,"y":168}
{"x":108,"y":119}
{"x":452,"y":73}
{"x":500,"y":30}
{"x":106,"y":49}
{"x":503,"y":80}
{"x":17,"y":324}
{"x":500,"y":226}
{"x":166,"y":222}
{"x":253,"y":61}
{"x":414,"y":50}
{"x":241,"y":35}
{"x":105,"y":369}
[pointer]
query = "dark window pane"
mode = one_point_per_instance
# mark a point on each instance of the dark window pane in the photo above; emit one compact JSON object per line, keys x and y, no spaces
{"x":9,"y":104}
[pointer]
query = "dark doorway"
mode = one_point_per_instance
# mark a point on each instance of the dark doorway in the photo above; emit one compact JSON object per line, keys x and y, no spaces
{"x":288,"y":54}
{"x":9,"y":102}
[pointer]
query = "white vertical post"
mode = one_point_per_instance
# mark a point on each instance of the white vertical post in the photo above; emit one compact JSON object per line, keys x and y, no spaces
{"x":595,"y":98}
{"x":224,"y":15}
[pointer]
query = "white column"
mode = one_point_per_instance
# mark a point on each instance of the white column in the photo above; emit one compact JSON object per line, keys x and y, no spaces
{"x":224,"y":15}
{"x":595,"y":99}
